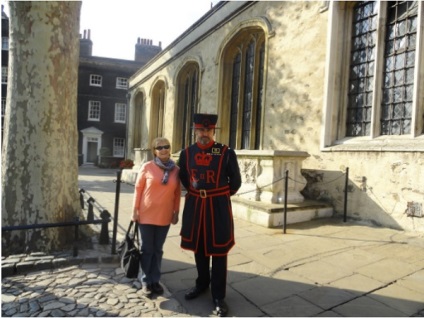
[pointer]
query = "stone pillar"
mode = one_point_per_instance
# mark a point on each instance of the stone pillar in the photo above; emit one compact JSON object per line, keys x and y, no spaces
{"x":141,"y":155}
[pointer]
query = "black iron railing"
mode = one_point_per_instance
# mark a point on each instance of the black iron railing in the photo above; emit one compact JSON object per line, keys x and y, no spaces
{"x":104,"y":221}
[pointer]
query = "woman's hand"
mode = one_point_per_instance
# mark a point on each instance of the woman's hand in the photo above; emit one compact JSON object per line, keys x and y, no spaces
{"x":135,"y":215}
{"x":175,"y":218}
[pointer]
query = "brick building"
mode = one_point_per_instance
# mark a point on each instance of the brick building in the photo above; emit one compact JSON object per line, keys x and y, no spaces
{"x":102,"y":101}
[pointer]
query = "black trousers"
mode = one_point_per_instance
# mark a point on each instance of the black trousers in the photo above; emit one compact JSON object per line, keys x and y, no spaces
{"x":217,"y":278}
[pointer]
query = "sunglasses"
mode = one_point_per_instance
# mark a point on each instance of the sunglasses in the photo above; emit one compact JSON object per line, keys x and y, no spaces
{"x":163,"y":147}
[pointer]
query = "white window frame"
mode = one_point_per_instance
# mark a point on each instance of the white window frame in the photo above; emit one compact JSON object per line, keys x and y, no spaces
{"x":121,"y":83}
{"x":5,"y":43}
{"x":96,"y":80}
{"x":4,"y":72}
{"x":120,"y":113}
{"x":118,"y":147}
{"x":333,"y":136}
{"x":92,"y":104}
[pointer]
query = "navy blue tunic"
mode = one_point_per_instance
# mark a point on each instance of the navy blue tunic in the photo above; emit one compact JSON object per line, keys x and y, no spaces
{"x":210,"y":174}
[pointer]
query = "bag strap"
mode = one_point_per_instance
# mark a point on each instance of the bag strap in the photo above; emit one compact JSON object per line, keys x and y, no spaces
{"x":135,"y":232}
{"x":130,"y":226}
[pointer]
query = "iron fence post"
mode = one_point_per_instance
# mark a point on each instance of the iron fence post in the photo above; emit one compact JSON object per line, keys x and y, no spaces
{"x":286,"y":183}
{"x":104,"y":233}
{"x":81,"y":198}
{"x":90,"y":215}
{"x":115,"y":219}
{"x":345,"y":195}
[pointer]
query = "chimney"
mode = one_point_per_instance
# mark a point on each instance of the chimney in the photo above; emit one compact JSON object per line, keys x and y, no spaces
{"x":145,"y":50}
{"x":86,"y":46}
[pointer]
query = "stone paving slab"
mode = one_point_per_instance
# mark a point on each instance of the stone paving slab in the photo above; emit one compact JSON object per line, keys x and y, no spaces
{"x":367,"y":307}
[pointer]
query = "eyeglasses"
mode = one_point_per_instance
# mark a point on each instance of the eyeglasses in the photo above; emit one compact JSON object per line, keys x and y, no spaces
{"x":163,"y":147}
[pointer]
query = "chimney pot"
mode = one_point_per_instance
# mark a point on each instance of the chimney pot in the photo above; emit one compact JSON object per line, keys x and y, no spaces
{"x":89,"y":34}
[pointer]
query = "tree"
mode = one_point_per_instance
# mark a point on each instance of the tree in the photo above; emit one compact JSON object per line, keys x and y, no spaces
{"x":39,"y":157}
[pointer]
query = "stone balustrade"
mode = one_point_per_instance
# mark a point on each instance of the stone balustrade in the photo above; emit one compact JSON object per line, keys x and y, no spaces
{"x":263,"y":174}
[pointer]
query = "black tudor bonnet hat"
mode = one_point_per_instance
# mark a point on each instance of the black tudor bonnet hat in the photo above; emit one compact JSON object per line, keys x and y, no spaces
{"x":205,"y":120}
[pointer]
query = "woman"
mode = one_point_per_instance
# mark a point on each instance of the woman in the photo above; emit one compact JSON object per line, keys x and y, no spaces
{"x":156,"y":205}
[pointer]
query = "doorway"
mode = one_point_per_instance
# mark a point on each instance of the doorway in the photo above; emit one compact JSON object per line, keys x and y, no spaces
{"x":91,"y":152}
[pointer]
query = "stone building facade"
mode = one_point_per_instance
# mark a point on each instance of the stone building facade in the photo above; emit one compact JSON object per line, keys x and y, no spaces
{"x":329,"y":92}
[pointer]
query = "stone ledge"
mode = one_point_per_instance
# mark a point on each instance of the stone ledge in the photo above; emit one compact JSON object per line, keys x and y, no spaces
{"x":23,"y":264}
{"x":272,"y":215}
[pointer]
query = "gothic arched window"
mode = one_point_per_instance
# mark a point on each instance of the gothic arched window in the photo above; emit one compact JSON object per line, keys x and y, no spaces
{"x":243,"y":69}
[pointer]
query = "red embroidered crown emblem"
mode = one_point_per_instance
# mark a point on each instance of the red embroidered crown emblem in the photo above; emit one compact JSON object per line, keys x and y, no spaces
{"x":203,"y":159}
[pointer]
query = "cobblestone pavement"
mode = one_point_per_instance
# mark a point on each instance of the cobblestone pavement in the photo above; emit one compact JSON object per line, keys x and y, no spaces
{"x":86,"y":290}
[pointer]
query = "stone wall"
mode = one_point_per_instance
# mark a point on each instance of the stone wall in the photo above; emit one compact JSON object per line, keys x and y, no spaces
{"x":381,"y":183}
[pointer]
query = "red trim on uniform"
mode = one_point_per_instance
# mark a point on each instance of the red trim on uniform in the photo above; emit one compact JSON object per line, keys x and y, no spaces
{"x":198,"y":126}
{"x":225,"y":190}
{"x":224,"y":149}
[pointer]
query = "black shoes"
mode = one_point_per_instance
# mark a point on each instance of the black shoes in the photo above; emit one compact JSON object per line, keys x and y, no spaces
{"x":194,"y":292}
{"x":220,"y":307}
{"x":157,"y":288}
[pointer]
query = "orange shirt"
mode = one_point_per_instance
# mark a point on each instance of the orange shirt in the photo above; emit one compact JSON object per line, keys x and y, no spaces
{"x":156,"y":202}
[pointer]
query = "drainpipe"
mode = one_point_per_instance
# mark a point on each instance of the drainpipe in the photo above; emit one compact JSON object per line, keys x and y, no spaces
{"x":127,"y":124}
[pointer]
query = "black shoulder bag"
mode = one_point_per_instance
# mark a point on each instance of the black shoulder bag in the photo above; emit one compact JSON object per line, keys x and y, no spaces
{"x":129,"y":252}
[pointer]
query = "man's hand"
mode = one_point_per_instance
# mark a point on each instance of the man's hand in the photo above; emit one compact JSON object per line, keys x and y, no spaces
{"x":175,"y":218}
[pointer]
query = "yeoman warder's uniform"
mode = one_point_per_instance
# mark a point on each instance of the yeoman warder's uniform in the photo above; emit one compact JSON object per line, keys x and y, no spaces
{"x":211,"y":174}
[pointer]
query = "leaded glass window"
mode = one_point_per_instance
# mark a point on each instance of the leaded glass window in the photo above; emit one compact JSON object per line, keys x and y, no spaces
{"x":248,"y":95}
{"x":243,"y":96}
{"x":234,"y":100}
{"x":364,"y":34}
{"x":259,"y":97}
{"x":399,"y":65}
